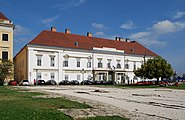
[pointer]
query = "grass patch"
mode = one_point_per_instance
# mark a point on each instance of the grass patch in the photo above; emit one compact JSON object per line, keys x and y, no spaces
{"x":105,"y":118}
{"x":181,"y":86}
{"x":16,"y":105}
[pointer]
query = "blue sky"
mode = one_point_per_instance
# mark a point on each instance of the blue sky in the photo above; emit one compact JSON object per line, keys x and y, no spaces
{"x":157,"y":24}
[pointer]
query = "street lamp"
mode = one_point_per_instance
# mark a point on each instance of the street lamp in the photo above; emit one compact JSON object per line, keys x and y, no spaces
{"x":83,"y":71}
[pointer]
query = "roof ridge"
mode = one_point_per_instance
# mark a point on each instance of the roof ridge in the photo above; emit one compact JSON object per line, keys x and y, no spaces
{"x":2,"y":16}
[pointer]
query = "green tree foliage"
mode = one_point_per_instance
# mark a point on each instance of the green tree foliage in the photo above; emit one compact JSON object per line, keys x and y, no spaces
{"x":6,"y":69}
{"x":155,"y":68}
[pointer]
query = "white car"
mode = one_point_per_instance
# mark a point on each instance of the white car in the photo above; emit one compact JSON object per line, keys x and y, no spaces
{"x":25,"y":82}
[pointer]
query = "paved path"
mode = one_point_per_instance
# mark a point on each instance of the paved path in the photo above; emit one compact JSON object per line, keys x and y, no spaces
{"x":141,"y":103}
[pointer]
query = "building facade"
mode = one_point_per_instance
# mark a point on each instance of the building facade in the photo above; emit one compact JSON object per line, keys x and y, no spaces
{"x":6,"y":38}
{"x":65,"y":56}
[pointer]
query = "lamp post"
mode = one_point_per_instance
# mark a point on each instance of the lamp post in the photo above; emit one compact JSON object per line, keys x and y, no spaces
{"x":83,"y":74}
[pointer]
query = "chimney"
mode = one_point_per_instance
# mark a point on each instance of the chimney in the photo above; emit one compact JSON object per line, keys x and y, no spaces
{"x":120,"y":39}
{"x":53,"y":29}
{"x":89,"y":34}
{"x":117,"y":38}
{"x":67,"y":31}
{"x":127,"y":40}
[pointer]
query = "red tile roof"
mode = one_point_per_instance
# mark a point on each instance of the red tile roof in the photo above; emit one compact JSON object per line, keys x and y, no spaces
{"x":2,"y":17}
{"x":60,"y":39}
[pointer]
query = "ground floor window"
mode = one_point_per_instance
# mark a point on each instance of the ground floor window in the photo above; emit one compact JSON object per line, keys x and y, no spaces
{"x":39,"y":76}
{"x":52,"y":76}
{"x":66,"y":77}
{"x":78,"y":77}
{"x":102,"y":76}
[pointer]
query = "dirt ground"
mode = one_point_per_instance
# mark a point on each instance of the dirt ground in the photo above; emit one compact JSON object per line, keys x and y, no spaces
{"x":137,"y":104}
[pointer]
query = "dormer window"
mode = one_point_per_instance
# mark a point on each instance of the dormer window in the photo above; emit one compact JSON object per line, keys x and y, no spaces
{"x":76,"y":44}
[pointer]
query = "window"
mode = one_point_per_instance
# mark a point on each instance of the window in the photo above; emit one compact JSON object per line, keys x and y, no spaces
{"x":89,"y":77}
{"x":66,"y":77}
{"x":65,"y":63}
{"x":89,"y":63}
{"x":39,"y":76}
{"x":4,"y":55}
{"x":126,"y":66}
{"x":52,"y":76}
{"x":4,"y":37}
{"x":39,"y":60}
{"x":134,"y":66}
{"x":78,"y":77}
{"x":52,"y":61}
{"x":100,"y":65}
{"x":109,"y":63}
{"x":118,"y":64}
{"x":78,"y":62}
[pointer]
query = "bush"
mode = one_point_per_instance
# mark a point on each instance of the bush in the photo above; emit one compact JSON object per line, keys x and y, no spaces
{"x":1,"y":83}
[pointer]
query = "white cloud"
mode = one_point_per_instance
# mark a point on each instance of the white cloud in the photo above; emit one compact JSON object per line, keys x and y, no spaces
{"x":99,"y":26}
{"x":20,"y":30}
{"x":167,"y":26}
{"x":140,"y":35}
{"x":178,"y":15}
{"x":99,"y":33}
{"x":66,"y":4}
{"x":159,"y":29}
{"x":146,"y":38}
{"x":50,"y":20}
{"x":80,"y":2}
{"x":127,"y":25}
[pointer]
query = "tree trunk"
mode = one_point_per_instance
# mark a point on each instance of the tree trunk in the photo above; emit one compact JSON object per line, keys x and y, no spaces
{"x":158,"y":81}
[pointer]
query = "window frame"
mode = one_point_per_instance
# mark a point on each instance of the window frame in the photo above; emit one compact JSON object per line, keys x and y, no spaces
{"x":3,"y":36}
{"x":3,"y":55}
{"x":52,"y":61}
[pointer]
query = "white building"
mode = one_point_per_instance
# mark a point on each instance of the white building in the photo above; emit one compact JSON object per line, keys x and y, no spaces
{"x":65,"y":56}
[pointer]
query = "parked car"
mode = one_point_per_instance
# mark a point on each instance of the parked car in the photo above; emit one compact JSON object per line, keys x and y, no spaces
{"x":41,"y":82}
{"x":86,"y":82}
{"x":12,"y":82}
{"x":24,"y":82}
{"x":99,"y":82}
{"x":51,"y":82}
{"x":64,"y":82}
{"x":74,"y":82}
{"x":110,"y":82}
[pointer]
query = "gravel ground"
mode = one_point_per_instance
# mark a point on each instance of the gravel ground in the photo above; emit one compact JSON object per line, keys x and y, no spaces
{"x":140,"y":104}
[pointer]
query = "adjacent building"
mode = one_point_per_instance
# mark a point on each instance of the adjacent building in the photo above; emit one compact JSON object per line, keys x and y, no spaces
{"x":6,"y":38}
{"x":65,"y":56}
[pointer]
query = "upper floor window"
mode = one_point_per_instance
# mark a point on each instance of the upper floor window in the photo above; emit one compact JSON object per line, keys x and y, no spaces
{"x":126,"y":66}
{"x":4,"y":55}
{"x":52,"y":61}
{"x":89,"y":63}
{"x":52,"y":76}
{"x":4,"y":37}
{"x":65,"y":63}
{"x":78,"y":62}
{"x":39,"y":60}
{"x":100,"y":64}
{"x":109,"y":63}
{"x":118,"y":64}
{"x":134,"y":66}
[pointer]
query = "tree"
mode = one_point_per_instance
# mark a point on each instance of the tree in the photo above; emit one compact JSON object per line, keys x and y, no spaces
{"x":6,"y":69}
{"x":155,"y":68}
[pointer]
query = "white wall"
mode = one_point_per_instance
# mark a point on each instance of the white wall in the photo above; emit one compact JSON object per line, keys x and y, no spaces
{"x":72,"y":70}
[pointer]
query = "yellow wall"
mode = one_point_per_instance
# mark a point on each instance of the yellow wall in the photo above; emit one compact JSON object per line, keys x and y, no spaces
{"x":6,"y":45}
{"x":20,"y":65}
